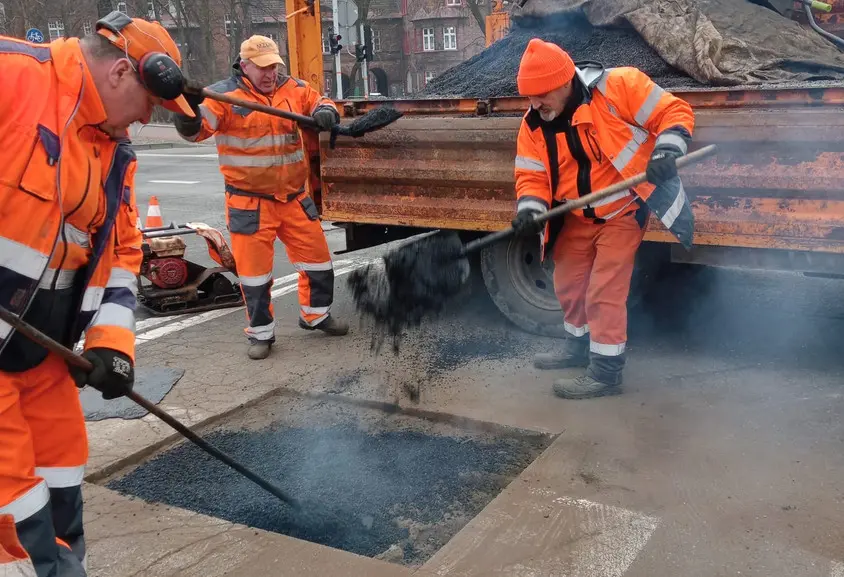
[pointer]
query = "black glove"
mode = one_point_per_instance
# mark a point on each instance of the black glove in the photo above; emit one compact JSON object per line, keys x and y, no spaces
{"x":113,"y":373}
{"x":185,"y":125}
{"x":194,"y":100}
{"x":662,"y":166}
{"x":326,"y":119}
{"x":525,"y":224}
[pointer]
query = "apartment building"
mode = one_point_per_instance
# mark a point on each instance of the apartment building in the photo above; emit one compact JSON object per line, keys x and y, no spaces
{"x":412,"y":40}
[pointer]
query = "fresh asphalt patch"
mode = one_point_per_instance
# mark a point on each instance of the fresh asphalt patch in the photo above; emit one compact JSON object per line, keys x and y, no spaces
{"x":382,"y":485}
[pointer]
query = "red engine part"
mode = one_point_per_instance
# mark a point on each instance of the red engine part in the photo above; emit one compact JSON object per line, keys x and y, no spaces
{"x":167,"y":273}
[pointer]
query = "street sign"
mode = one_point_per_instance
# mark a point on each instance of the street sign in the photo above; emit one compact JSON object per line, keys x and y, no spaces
{"x":34,"y":35}
{"x":347,"y":18}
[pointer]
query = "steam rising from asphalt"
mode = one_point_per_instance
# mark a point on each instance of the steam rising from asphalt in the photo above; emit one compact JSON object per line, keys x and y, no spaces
{"x":360,"y":491}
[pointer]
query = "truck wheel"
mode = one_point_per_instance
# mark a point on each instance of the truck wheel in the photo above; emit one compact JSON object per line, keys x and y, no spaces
{"x":522,"y":287}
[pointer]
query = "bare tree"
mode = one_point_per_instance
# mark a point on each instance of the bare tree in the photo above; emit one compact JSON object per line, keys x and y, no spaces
{"x":478,"y":14}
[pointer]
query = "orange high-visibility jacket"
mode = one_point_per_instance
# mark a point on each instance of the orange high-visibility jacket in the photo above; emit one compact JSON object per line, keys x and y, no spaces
{"x":624,"y":115}
{"x":70,"y":249}
{"x":258,"y":153}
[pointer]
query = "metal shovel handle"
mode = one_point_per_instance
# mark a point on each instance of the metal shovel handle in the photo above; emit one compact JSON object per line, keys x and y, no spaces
{"x":571,"y":205}
{"x":79,"y":361}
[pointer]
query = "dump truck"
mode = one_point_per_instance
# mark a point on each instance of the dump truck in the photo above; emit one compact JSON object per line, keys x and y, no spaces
{"x":772,"y":197}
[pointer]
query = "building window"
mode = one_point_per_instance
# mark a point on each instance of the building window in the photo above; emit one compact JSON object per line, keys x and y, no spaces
{"x":121,"y":7}
{"x":326,"y":44}
{"x":87,"y":29}
{"x":376,"y":40}
{"x":427,"y":39}
{"x":273,"y":36}
{"x":449,"y":38}
{"x":56,"y":29}
{"x":429,"y":76}
{"x":150,"y":10}
{"x":2,"y":19}
{"x":228,"y":24}
{"x":453,"y":2}
{"x":328,"y":84}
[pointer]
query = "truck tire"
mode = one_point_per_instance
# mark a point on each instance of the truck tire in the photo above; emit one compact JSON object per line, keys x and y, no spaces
{"x":522,"y":287}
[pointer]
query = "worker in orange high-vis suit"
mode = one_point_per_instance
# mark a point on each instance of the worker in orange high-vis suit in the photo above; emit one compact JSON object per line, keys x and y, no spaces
{"x":265,"y":169}
{"x":588,"y":128}
{"x":69,"y":255}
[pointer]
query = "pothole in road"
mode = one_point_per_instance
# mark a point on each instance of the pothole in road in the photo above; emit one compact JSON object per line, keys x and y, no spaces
{"x":381,"y":484}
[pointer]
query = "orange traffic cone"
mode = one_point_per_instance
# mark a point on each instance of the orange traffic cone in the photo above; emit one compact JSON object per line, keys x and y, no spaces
{"x":154,"y":219}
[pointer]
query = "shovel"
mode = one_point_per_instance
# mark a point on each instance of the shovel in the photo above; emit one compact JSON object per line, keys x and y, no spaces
{"x":417,"y":279}
{"x":79,"y":361}
{"x":373,"y":120}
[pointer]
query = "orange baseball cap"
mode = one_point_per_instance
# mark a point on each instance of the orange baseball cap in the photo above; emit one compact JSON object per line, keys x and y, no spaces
{"x":139,"y":37}
{"x":261,"y":51}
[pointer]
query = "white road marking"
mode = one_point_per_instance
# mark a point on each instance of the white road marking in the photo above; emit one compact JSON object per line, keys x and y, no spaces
{"x":160,"y":155}
{"x":283,"y":289}
{"x":576,"y":538}
{"x":149,"y":323}
{"x":174,"y":181}
{"x":146,"y":324}
{"x":837,"y":569}
{"x":618,"y":536}
{"x":281,"y":286}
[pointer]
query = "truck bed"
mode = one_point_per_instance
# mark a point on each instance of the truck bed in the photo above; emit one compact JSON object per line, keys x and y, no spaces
{"x":777,"y":180}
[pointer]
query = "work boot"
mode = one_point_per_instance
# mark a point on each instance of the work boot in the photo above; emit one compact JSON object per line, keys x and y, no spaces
{"x":584,"y":387}
{"x":574,"y":353}
{"x":259,"y":350}
{"x":602,"y":378}
{"x":329,"y":326}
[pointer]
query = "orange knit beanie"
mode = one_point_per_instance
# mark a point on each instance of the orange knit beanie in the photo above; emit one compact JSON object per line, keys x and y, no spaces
{"x":544,"y":67}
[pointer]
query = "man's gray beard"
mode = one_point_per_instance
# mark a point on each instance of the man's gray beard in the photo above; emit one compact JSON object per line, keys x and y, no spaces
{"x":548,"y":116}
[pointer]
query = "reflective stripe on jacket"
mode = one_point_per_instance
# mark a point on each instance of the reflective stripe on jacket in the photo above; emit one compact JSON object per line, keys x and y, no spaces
{"x":69,"y":247}
{"x":259,"y":153}
{"x":623,"y":117}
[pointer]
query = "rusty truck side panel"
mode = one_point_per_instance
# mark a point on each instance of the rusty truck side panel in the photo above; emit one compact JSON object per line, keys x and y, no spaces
{"x":777,"y":180}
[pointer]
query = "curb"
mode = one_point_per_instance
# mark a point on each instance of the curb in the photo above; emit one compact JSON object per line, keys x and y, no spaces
{"x":159,"y":145}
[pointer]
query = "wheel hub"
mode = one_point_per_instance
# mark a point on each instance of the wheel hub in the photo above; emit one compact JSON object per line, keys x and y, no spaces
{"x":532,"y":278}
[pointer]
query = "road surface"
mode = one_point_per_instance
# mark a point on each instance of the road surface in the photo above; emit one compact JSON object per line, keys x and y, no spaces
{"x":723,"y":457}
{"x":189,"y":188}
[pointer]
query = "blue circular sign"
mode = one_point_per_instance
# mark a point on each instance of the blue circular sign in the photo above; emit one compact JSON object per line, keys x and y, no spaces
{"x":34,"y":35}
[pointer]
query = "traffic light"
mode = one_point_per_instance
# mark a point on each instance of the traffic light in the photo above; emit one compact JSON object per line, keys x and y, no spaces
{"x":367,"y":43}
{"x":360,"y":54}
{"x":334,"y":43}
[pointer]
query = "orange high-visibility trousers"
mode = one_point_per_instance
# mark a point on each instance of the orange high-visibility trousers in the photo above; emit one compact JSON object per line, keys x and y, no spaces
{"x":254,"y":224}
{"x":43,"y":451}
{"x":593,"y":265}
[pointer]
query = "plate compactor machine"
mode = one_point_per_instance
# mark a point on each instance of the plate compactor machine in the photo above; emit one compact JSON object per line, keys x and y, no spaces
{"x":170,"y":284}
